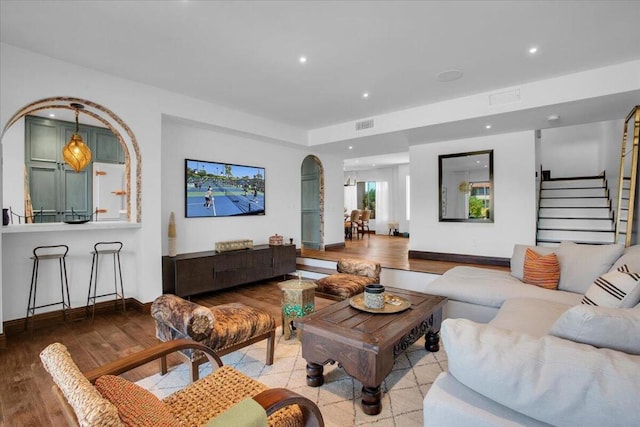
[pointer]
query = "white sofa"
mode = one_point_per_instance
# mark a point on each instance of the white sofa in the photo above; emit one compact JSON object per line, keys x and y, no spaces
{"x":543,"y":358}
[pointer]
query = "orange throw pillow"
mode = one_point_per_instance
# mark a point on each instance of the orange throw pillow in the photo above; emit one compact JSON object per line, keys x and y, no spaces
{"x":136,"y":406}
{"x":541,"y":270}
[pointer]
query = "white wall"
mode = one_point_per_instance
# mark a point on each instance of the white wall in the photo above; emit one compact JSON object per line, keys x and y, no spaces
{"x":27,"y":77}
{"x":181,"y":140}
{"x":514,"y":202}
{"x":572,"y":151}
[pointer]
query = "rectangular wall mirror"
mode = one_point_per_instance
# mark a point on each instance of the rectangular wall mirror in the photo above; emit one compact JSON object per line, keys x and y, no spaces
{"x":466,"y":187}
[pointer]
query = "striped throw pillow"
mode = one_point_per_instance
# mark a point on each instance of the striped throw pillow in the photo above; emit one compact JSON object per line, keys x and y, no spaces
{"x":616,"y":289}
{"x":541,"y":270}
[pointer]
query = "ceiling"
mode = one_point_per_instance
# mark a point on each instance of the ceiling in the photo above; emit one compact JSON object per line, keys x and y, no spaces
{"x":245,"y":55}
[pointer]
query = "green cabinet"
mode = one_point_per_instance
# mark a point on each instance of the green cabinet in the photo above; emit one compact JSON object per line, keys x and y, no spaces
{"x":57,"y":191}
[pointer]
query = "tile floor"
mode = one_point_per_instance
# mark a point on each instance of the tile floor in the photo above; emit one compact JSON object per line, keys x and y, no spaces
{"x":339,"y":397}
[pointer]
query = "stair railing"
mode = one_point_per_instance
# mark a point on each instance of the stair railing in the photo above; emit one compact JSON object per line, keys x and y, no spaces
{"x":628,"y":170}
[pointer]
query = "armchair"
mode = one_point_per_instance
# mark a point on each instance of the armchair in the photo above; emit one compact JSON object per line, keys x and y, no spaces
{"x":196,"y":404}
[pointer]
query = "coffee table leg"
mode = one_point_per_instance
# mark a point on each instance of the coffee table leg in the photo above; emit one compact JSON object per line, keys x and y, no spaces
{"x":432,"y":341}
{"x":314,"y":375}
{"x":371,"y":404}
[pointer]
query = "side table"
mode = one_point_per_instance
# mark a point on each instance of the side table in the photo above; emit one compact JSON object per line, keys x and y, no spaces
{"x":297,"y":301}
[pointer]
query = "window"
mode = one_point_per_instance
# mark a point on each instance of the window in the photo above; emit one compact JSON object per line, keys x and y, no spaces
{"x":367,"y":197}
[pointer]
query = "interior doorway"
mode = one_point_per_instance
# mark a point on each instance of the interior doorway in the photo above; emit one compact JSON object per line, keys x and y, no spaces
{"x":312,"y":203}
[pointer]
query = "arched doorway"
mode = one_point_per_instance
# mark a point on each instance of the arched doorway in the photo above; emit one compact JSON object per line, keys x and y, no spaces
{"x":312,"y":203}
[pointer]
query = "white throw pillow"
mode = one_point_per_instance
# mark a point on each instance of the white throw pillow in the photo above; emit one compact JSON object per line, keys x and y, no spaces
{"x":581,"y":264}
{"x":614,"y":328}
{"x":615,"y":289}
{"x":517,"y":259}
{"x":553,"y":380}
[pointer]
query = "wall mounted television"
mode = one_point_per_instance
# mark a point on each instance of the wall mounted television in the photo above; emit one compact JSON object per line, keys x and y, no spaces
{"x":223,"y":189}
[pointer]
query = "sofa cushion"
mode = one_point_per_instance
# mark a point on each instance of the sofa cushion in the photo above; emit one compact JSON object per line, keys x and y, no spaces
{"x":136,"y":406}
{"x":490,"y":288}
{"x":581,"y":264}
{"x":614,"y":328}
{"x":553,"y":380}
{"x":630,"y":257}
{"x":541,"y":270}
{"x":617,"y":289}
{"x":449,"y":403}
{"x":529,"y":315}
{"x":517,"y":259}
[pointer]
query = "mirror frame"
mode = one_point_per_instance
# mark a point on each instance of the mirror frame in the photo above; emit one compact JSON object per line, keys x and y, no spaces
{"x":491,"y":192}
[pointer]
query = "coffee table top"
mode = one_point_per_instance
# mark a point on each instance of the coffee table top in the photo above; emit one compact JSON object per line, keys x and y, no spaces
{"x":363,"y":329}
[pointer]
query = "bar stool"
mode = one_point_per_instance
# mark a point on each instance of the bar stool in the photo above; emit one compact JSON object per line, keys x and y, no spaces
{"x":40,"y":253}
{"x":105,"y":248}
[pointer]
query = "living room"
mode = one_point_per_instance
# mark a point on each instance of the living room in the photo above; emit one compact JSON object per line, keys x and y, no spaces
{"x":170,"y":126}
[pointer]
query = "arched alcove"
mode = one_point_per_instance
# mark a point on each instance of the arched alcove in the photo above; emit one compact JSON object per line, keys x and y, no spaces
{"x":113,"y":122}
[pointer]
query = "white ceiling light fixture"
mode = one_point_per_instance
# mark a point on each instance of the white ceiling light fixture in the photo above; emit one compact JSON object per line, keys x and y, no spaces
{"x":449,"y":75}
{"x":487,"y":126}
{"x":302,"y":59}
{"x":365,"y":95}
{"x":533,"y":50}
{"x":351,"y":147}
{"x":553,"y":117}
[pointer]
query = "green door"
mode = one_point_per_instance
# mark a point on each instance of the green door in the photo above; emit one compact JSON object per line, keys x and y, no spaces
{"x":311,"y":208}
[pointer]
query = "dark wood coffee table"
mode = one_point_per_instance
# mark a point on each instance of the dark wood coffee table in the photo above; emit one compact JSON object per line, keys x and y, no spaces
{"x":366,"y":344}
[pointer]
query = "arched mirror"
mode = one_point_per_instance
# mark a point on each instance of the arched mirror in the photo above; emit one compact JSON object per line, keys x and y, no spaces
{"x":39,"y":186}
{"x":466,"y":187}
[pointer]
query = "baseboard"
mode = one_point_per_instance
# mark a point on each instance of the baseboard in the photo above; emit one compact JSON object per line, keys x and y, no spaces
{"x":334,"y":246}
{"x":15,"y":326}
{"x":461,"y":258}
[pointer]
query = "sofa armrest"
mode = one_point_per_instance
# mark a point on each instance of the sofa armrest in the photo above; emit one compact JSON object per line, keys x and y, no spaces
{"x":188,"y":318}
{"x":550,"y":379}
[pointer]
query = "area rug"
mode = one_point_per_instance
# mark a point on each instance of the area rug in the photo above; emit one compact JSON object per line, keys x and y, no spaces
{"x":339,"y":398}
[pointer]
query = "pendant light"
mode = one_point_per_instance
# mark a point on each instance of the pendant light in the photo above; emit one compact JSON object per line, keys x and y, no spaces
{"x":76,"y":154}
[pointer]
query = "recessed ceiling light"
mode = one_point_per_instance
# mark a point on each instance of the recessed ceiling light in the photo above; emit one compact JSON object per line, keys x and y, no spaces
{"x":351,"y":147}
{"x":553,"y":117}
{"x":449,"y":75}
{"x":365,"y":95}
{"x":487,"y":126}
{"x":485,"y":166}
{"x":477,"y":161}
{"x":51,"y":115}
{"x":373,"y":165}
{"x":302,"y":59}
{"x":533,"y":50}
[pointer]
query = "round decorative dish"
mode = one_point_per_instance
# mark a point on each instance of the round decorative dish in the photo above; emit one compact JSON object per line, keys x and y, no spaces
{"x":392,"y":304}
{"x":76,"y":221}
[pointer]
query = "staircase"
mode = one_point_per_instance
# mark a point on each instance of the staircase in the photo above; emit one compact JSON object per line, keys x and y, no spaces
{"x":575,"y":209}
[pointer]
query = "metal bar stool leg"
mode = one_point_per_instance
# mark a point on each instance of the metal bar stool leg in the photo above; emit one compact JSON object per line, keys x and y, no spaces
{"x":106,"y":248}
{"x":52,"y":252}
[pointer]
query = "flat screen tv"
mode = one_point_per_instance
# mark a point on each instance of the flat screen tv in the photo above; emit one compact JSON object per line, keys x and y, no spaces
{"x":223,"y":189}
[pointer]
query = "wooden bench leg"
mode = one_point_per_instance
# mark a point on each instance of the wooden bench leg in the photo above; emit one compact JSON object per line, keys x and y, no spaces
{"x":271,"y":344}
{"x":163,"y":365}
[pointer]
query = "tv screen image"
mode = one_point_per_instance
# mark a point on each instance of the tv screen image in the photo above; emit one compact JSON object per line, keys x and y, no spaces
{"x":222,"y":189}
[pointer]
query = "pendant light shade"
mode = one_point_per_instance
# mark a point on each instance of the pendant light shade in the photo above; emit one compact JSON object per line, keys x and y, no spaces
{"x":76,"y":153}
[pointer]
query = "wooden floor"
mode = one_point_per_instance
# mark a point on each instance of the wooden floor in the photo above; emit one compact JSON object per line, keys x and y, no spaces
{"x":389,"y":251}
{"x":25,"y":388}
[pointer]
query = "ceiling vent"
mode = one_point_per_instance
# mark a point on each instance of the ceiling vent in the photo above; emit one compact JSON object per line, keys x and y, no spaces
{"x":507,"y":97}
{"x":365,"y":124}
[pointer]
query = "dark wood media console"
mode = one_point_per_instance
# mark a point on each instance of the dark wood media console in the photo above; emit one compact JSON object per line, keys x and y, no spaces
{"x":198,"y":272}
